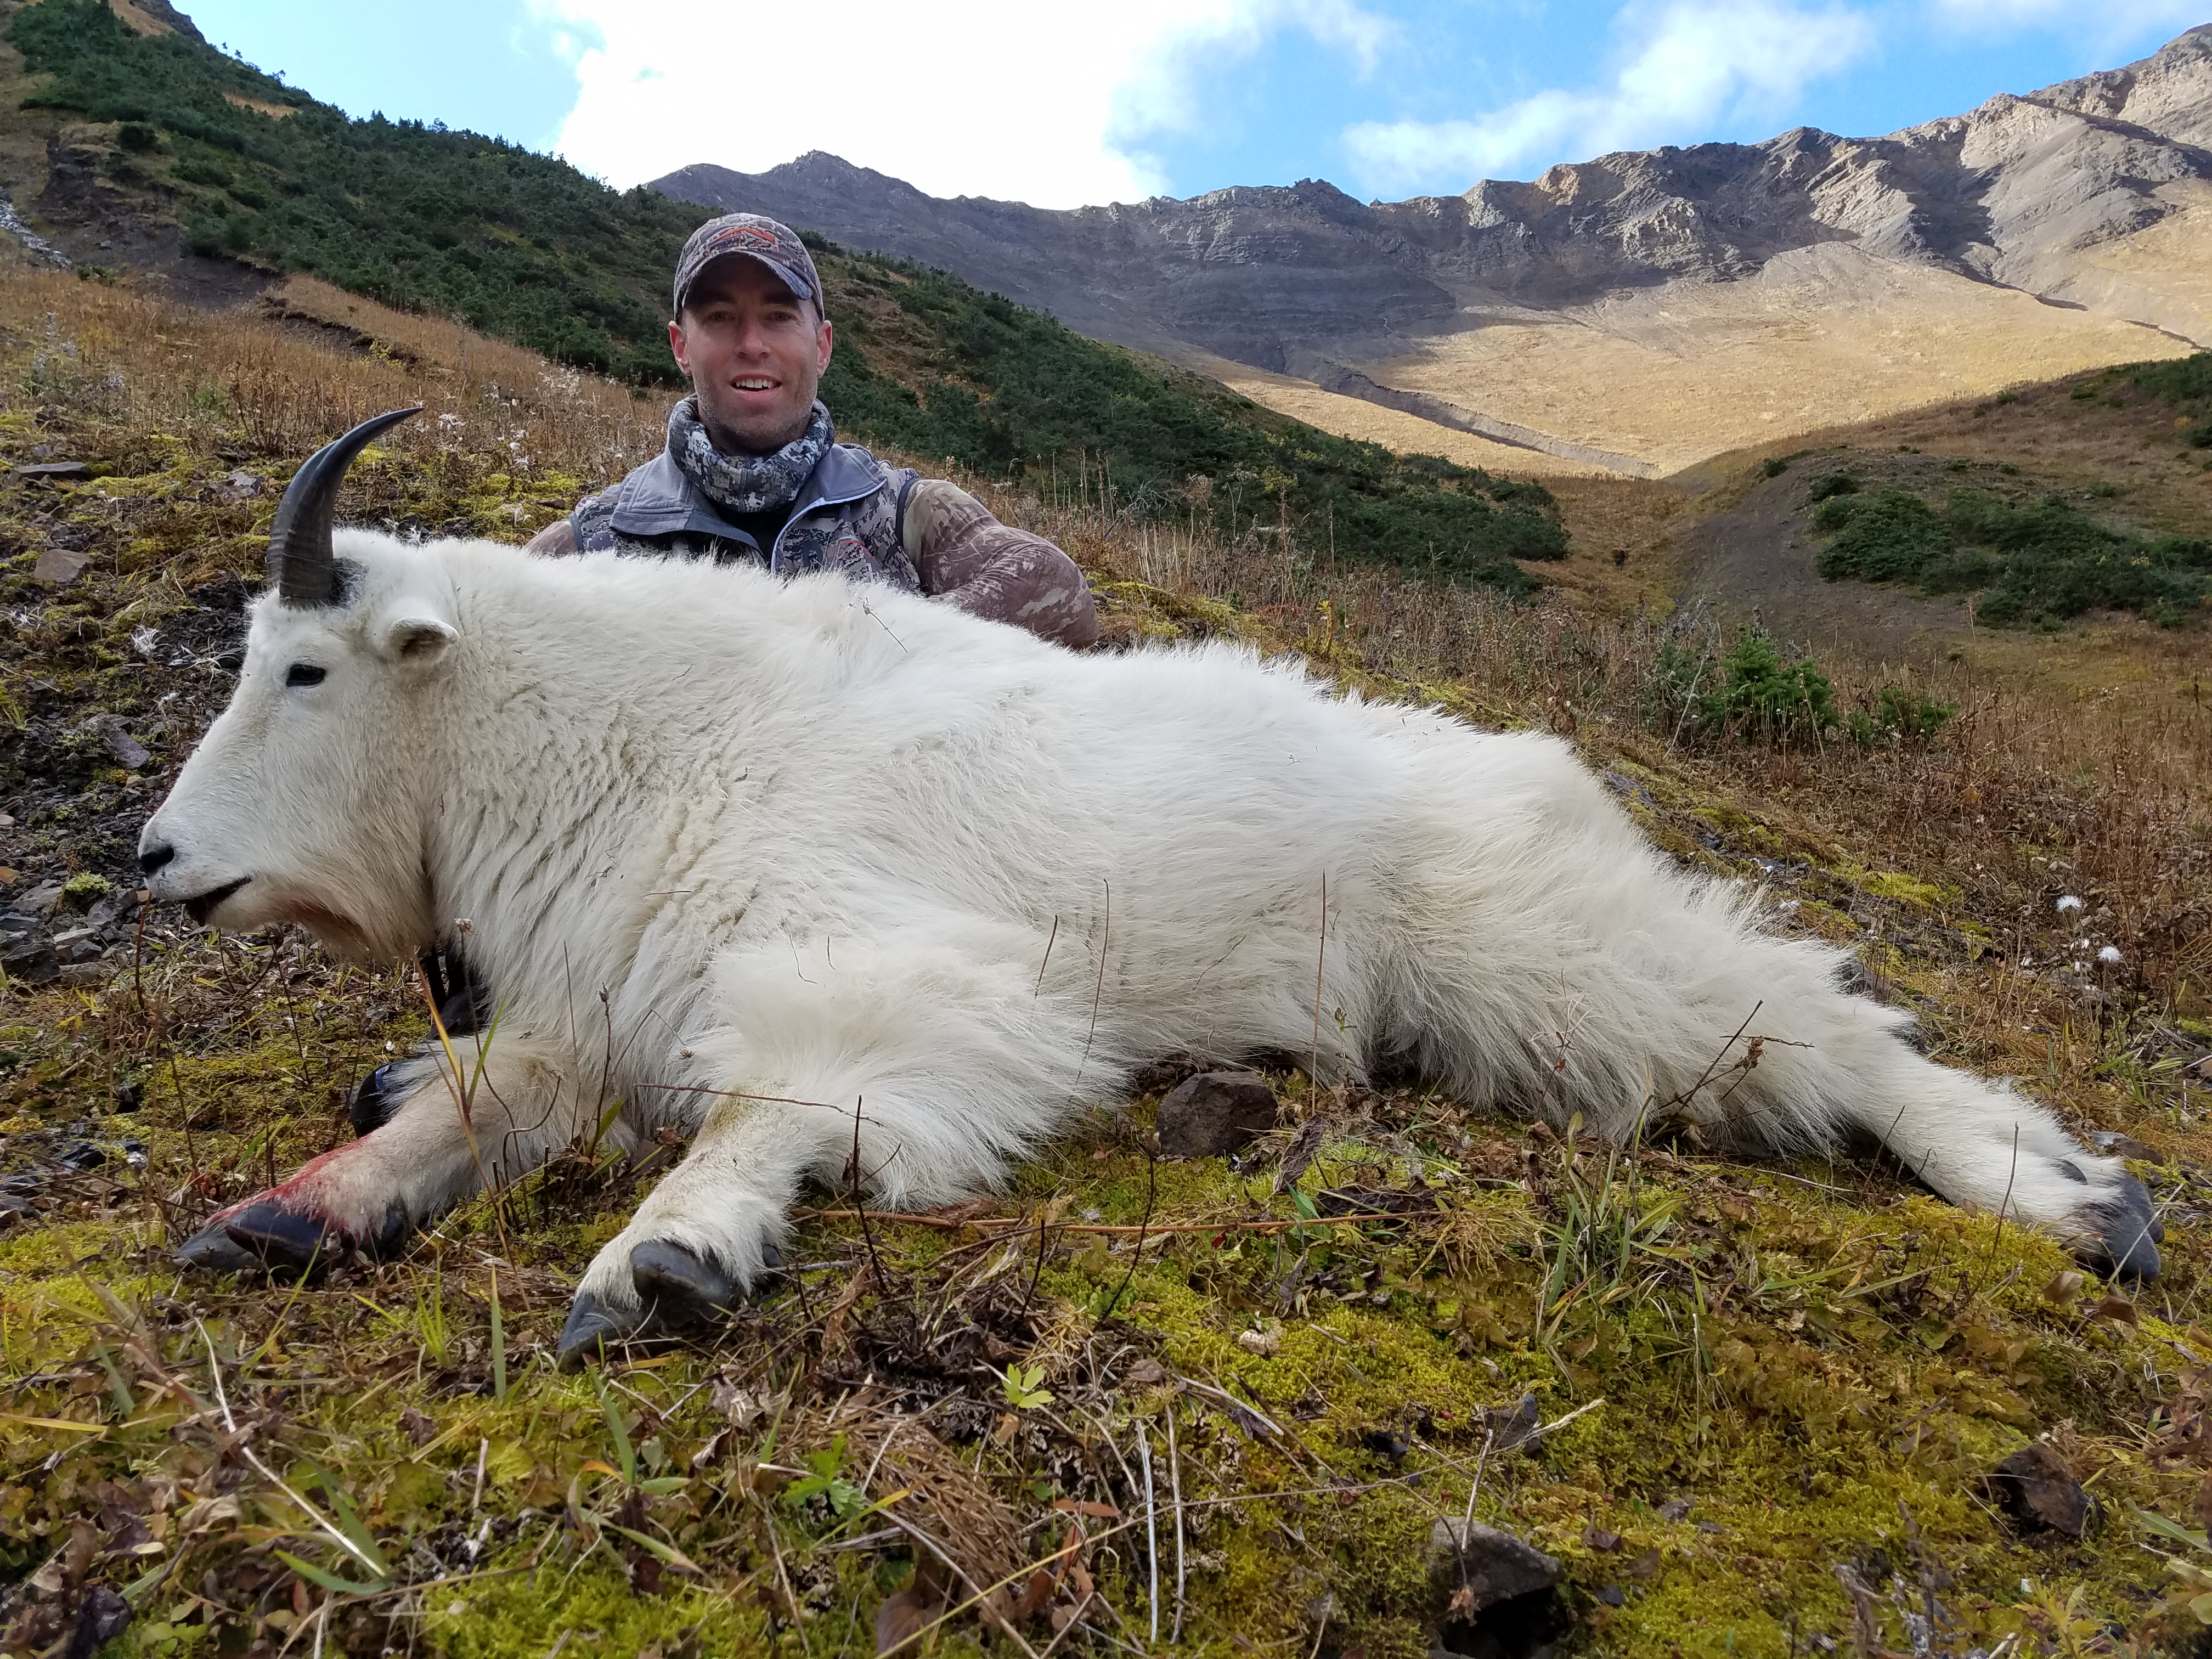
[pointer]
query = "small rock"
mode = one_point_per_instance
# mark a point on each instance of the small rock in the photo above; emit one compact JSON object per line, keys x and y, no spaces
{"x":2114,"y":1144}
{"x":1511,"y":1430}
{"x":42,"y":899}
{"x":85,"y":975}
{"x":1144,"y":1374}
{"x":1613,"y":1595}
{"x":1159,"y":1076}
{"x":1493,"y":1566}
{"x":1599,"y":1539}
{"x":1214,"y":1113}
{"x":78,"y":945}
{"x":13,"y":1209}
{"x":130,"y":1096}
{"x":125,"y":748}
{"x":1266,"y":1344}
{"x":58,"y":566}
{"x":1677,"y":1508}
{"x":38,"y":969}
{"x":80,"y":1155}
{"x":52,"y":470}
{"x":101,"y":1617}
{"x":26,"y":952}
{"x":238,"y":486}
{"x":2037,"y":1489}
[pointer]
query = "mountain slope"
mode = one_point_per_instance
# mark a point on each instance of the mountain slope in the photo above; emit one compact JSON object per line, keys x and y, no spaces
{"x":162,"y":150}
{"x":2032,"y":237}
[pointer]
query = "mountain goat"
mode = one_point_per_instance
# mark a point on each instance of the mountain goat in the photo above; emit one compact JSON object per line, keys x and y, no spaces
{"x":782,"y":864}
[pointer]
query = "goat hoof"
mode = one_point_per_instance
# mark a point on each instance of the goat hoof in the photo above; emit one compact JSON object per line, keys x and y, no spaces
{"x":591,"y":1324}
{"x":374,"y":1100}
{"x":282,"y":1239}
{"x":211,"y":1250}
{"x":2122,"y":1234}
{"x":678,"y":1286}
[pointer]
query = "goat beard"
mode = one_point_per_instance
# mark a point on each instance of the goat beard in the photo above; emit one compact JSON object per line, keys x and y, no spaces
{"x":342,"y":930}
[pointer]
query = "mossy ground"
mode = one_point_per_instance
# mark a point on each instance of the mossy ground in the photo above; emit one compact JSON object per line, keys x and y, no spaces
{"x":1780,"y":1371}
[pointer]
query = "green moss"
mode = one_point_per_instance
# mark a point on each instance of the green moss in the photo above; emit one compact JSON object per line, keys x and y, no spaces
{"x":1904,"y":889}
{"x":82,"y":889}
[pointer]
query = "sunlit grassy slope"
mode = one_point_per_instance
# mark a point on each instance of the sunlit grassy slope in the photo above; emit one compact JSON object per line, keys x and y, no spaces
{"x":1132,"y":1405}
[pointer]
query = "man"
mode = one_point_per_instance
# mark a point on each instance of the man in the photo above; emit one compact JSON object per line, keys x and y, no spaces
{"x":752,"y":470}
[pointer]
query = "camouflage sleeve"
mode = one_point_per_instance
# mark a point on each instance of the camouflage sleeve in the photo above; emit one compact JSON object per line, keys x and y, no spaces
{"x":967,"y":557}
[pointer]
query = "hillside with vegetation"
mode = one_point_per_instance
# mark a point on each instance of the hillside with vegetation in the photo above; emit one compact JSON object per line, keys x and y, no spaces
{"x":2057,"y":534}
{"x":1136,"y":1404}
{"x":525,"y":248}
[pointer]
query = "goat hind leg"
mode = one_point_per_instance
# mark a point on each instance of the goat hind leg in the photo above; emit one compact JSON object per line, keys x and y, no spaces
{"x":370,"y":1195}
{"x":1975,"y":1142}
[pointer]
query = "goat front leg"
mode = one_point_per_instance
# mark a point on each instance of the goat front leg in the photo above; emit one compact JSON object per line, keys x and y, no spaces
{"x":368,"y":1196}
{"x":934,"y":1064}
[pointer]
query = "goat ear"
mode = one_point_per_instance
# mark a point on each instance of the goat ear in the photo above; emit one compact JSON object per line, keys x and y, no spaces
{"x":415,"y":641}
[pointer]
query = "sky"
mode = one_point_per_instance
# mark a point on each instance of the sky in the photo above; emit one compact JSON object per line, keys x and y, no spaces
{"x":1063,"y":105}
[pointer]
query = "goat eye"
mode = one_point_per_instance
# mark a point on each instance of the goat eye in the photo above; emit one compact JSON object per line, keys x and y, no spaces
{"x":303,"y":673}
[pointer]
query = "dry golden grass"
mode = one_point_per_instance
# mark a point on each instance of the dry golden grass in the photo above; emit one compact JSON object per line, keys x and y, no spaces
{"x":1394,"y":429}
{"x":1825,"y":336}
{"x":289,"y":386}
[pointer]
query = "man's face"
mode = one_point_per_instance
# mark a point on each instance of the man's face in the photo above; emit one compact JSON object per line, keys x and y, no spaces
{"x":755,"y":352}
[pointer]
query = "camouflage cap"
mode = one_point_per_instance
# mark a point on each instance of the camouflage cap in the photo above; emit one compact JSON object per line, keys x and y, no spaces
{"x":756,"y":237}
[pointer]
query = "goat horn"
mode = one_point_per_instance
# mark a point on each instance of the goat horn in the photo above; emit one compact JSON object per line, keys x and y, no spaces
{"x":302,"y":567}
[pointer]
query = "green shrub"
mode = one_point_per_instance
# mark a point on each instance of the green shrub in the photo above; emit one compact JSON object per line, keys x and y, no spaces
{"x":1891,"y":537}
{"x":201,"y":170}
{"x":1835,"y":512}
{"x":1774,"y":465}
{"x":1751,"y":692}
{"x":1834,"y":483}
{"x":1900,"y":715}
{"x":2184,"y":382}
{"x":2035,"y":564}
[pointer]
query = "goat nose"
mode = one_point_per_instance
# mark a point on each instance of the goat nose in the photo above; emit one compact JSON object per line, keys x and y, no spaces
{"x":155,"y":857}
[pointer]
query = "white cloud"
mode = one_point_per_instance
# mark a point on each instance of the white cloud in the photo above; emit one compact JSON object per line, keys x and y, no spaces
{"x":1041,"y":103}
{"x":1687,"y":67}
{"x":2102,"y":30}
{"x":2124,"y":16}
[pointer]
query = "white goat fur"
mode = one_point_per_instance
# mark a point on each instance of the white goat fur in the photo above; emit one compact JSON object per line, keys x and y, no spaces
{"x":744,"y":854}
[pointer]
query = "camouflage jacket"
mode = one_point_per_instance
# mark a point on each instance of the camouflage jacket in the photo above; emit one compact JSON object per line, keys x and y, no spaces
{"x":857,"y":516}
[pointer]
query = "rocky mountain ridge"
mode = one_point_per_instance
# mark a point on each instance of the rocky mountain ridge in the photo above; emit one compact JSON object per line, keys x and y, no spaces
{"x":1304,"y":280}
